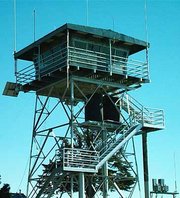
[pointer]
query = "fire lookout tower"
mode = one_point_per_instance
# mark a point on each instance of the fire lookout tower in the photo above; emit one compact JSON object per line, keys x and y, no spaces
{"x":84,"y":114}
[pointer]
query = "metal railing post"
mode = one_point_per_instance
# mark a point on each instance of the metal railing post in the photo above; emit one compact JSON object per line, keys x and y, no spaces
{"x":72,"y":110}
{"x":110,"y":56}
{"x":142,"y":114}
{"x":81,"y":185}
{"x":15,"y":69}
{"x":145,"y":165}
{"x":39,"y":61}
{"x":67,"y":45}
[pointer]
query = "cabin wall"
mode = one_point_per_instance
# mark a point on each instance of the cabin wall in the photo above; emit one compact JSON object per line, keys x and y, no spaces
{"x":83,"y":52}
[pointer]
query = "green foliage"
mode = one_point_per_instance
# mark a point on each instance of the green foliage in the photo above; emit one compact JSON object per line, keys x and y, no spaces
{"x":5,"y":191}
{"x":118,"y":168}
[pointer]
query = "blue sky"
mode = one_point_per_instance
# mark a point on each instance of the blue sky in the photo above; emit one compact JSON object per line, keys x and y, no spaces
{"x":125,"y":16}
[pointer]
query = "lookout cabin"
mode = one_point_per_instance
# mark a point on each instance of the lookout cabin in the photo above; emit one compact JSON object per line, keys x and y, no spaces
{"x":82,"y":51}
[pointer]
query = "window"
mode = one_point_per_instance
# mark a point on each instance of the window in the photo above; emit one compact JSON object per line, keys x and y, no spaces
{"x":80,"y":44}
{"x":51,"y":59}
{"x":119,"y":60}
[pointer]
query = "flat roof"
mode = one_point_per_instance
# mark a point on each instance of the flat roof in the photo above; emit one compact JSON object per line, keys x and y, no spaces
{"x":133,"y":44}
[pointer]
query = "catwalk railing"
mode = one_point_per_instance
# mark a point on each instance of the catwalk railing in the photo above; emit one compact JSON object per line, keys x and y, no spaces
{"x":106,"y":63}
{"x":80,"y":58}
{"x":90,"y":161}
{"x":148,"y":117}
{"x":80,"y":160}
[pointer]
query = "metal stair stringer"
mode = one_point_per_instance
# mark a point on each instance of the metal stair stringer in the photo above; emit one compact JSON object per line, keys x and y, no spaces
{"x":114,"y":147}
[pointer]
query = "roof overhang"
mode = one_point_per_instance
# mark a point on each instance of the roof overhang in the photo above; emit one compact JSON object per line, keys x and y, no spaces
{"x":134,"y":45}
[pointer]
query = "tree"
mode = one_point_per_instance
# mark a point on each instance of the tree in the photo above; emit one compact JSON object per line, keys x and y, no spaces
{"x":5,"y":191}
{"x":118,"y":168}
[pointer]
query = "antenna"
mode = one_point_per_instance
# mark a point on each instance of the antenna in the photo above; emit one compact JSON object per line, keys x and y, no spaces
{"x":113,"y":22}
{"x":87,"y":12}
{"x":146,"y":32}
{"x":34,"y":16}
{"x":146,"y":20}
{"x":14,"y":10}
{"x":175,"y":182}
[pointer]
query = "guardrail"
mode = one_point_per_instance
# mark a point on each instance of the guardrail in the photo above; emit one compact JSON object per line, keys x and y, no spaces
{"x":148,"y":117}
{"x":90,"y":161}
{"x":82,"y":58}
{"x":26,"y":75}
{"x":77,"y":159}
{"x":102,"y":62}
{"x":42,"y":66}
{"x":153,"y":117}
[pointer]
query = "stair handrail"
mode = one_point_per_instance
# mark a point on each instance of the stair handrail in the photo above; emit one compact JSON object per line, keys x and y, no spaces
{"x":133,"y":101}
{"x":122,"y":127}
{"x":123,"y":133}
{"x":143,"y":114}
{"x":135,"y":128}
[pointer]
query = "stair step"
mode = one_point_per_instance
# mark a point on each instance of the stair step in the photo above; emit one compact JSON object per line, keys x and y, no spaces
{"x":118,"y":144}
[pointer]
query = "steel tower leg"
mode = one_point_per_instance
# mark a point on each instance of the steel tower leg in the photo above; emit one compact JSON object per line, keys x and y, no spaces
{"x":105,"y":184}
{"x":72,"y":186}
{"x":72,"y":125}
{"x":145,"y":165}
{"x":72,"y":110}
{"x":105,"y":168}
{"x":81,"y":186}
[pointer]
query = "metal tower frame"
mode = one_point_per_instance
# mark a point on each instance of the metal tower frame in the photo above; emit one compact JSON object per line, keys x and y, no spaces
{"x":40,"y":156}
{"x":69,"y":152}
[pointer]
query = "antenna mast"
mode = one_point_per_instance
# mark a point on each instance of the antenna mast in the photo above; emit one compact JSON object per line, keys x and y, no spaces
{"x":146,"y":21}
{"x":175,"y":182}
{"x":14,"y":25}
{"x":87,"y":12}
{"x":146,"y":32}
{"x":34,"y":16}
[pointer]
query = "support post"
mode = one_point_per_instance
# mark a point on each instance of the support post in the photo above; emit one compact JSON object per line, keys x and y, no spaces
{"x":81,"y":186}
{"x":67,"y":58}
{"x":15,"y":69}
{"x":105,"y":184}
{"x":145,"y":165}
{"x":105,"y":167}
{"x":72,"y":125}
{"x":72,"y":185}
{"x":72,"y":110}
{"x":39,"y":61}
{"x":110,"y":56}
{"x":31,"y":148}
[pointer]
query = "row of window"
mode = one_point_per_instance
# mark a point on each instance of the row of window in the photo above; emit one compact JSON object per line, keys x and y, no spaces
{"x":55,"y":56}
{"x":100,"y":48}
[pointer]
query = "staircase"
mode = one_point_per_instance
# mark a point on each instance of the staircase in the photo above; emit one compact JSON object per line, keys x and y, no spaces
{"x":90,"y":161}
{"x":151,"y":119}
{"x":112,"y":148}
{"x":81,"y":160}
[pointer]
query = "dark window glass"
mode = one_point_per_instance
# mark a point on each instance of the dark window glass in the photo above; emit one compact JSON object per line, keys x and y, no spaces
{"x":79,"y":44}
{"x":96,"y":48}
{"x":105,"y":50}
{"x":90,"y":46}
